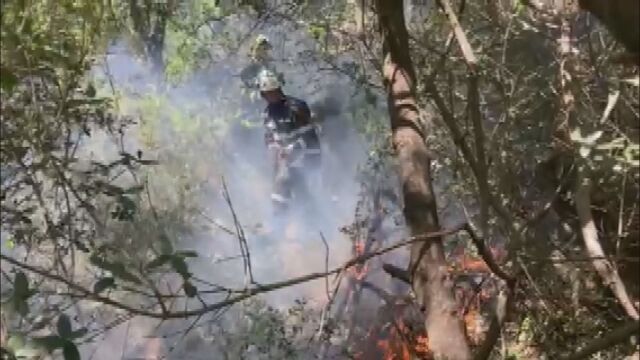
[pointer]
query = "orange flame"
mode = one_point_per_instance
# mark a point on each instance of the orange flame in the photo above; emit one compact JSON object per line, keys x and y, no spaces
{"x":402,"y":344}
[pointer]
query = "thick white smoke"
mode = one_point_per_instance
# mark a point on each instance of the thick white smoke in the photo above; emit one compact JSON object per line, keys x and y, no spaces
{"x":236,"y":152}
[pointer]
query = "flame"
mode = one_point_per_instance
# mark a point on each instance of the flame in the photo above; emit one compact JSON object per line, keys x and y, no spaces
{"x":359,"y":247}
{"x":153,"y":349}
{"x":422,"y":344}
{"x":359,"y":271}
{"x":401,"y":344}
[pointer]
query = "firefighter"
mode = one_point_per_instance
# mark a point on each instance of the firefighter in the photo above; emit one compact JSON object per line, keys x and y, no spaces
{"x":292,"y":141}
{"x":259,"y":59}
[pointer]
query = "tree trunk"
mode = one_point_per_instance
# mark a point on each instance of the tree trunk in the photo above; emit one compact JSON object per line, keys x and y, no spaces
{"x":430,"y":279}
{"x":149,"y":22}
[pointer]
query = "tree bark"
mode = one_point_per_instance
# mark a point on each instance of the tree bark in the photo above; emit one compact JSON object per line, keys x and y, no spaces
{"x":429,"y":277}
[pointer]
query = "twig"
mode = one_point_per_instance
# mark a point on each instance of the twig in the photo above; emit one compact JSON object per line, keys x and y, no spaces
{"x":397,"y":272}
{"x":326,"y":265}
{"x":248,"y":293}
{"x":126,"y":340}
{"x":503,"y":303}
{"x":465,"y":47}
{"x":216,"y":223}
{"x":616,"y":336}
{"x":603,"y":267}
{"x":476,"y":290}
{"x":244,"y":247}
{"x":383,"y":294}
{"x":487,"y":256}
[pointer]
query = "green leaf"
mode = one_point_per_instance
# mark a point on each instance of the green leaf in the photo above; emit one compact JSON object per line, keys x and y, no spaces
{"x":116,"y":268}
{"x":585,"y":151}
{"x":78,"y":333}
{"x":187,"y":253}
{"x":16,"y":342}
{"x":64,"y":326}
{"x":70,"y":351}
{"x":103,"y":284}
{"x":49,"y":342}
{"x":21,"y":306}
{"x":159,"y":261}
{"x":120,"y":272}
{"x":591,"y":139}
{"x":134,"y":189}
{"x":189,"y":289}
{"x":7,"y":79}
{"x":165,"y":245}
{"x":28,"y":353}
{"x":180,"y":266}
{"x":21,"y":285}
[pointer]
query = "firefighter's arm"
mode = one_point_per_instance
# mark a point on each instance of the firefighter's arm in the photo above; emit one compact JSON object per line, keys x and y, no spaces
{"x":302,"y":113}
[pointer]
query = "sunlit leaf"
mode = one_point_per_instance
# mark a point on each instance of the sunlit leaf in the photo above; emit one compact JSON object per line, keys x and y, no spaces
{"x":28,"y":353}
{"x":591,"y":139}
{"x":576,"y":135}
{"x":584,"y":151}
{"x":16,"y":342}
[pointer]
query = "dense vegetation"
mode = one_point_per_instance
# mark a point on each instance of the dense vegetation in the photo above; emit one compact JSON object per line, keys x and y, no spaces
{"x":505,"y":161}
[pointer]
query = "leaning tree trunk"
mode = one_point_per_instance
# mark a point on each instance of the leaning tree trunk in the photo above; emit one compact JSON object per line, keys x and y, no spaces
{"x":430,"y":279}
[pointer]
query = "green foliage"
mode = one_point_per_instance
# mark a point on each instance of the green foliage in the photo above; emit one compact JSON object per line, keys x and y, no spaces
{"x":18,"y":301}
{"x":103,"y":284}
{"x":190,"y":38}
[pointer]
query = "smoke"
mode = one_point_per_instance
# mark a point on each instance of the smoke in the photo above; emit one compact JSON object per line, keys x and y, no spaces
{"x":207,"y":134}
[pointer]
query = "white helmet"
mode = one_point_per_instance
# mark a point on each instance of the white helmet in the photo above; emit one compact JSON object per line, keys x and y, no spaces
{"x":268,"y":81}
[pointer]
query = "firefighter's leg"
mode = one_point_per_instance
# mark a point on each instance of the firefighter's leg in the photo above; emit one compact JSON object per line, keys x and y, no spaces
{"x":281,"y":199}
{"x":281,"y":194}
{"x":304,"y":193}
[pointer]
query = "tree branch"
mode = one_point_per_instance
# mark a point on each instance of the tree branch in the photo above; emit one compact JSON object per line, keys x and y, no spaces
{"x":615,"y":337}
{"x":603,"y":267}
{"x":396,"y":272}
{"x":487,"y":256}
{"x":245,"y":294}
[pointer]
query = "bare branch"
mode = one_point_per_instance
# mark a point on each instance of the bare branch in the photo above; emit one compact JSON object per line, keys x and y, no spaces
{"x":502,"y":305}
{"x":615,"y":337}
{"x":487,"y":256}
{"x":242,"y":239}
{"x":245,"y":294}
{"x":607,"y":272}
{"x":397,"y":273}
{"x":465,"y":47}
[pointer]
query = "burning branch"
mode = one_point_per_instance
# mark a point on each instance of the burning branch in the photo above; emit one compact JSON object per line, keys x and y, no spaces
{"x":487,"y":256}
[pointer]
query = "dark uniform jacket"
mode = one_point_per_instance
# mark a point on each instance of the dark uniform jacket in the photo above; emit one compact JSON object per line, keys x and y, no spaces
{"x":288,"y":124}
